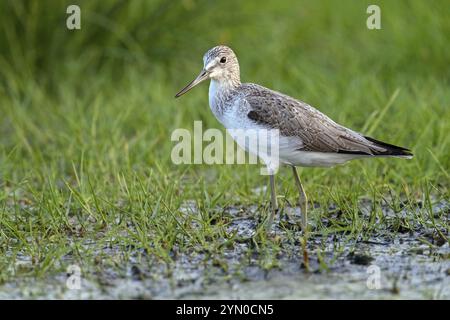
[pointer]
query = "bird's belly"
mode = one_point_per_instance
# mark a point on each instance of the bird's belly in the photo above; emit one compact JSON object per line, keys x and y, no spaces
{"x":258,"y":142}
{"x":288,"y":149}
{"x":315,"y":159}
{"x":284,"y":150}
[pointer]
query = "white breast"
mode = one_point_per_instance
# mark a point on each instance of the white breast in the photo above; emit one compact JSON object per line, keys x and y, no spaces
{"x":213,"y":89}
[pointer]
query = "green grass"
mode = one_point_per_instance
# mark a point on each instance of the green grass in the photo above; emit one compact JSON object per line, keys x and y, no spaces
{"x":86,"y":118}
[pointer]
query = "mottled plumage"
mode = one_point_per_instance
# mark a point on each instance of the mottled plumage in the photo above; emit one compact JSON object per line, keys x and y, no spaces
{"x":317,"y":132}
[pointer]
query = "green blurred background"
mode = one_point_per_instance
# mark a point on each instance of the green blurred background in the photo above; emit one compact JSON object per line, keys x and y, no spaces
{"x":98,"y":102}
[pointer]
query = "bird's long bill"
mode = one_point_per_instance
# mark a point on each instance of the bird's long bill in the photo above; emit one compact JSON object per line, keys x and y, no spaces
{"x":202,"y":76}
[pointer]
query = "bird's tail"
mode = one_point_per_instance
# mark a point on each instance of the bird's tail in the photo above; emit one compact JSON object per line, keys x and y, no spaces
{"x":390,"y":150}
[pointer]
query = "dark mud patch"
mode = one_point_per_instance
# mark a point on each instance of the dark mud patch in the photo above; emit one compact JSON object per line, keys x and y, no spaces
{"x":402,"y":260}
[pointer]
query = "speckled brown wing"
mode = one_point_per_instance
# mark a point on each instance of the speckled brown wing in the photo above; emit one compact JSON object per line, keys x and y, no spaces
{"x":295,"y":118}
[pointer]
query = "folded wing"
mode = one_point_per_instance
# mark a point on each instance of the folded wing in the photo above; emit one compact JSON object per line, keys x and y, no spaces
{"x":317,"y":132}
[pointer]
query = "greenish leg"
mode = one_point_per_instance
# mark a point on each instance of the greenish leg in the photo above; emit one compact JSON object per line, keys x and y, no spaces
{"x":303,"y":203}
{"x":273,"y":200}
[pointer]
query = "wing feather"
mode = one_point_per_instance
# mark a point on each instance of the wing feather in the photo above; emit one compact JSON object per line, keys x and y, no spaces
{"x":295,"y":118}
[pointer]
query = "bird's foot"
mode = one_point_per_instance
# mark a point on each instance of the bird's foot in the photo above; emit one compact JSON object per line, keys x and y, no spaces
{"x":270,"y":219}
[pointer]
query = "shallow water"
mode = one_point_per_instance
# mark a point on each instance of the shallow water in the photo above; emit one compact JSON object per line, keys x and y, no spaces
{"x":388,"y":266}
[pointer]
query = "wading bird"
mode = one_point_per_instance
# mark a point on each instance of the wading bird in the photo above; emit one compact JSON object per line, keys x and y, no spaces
{"x":307,"y":137}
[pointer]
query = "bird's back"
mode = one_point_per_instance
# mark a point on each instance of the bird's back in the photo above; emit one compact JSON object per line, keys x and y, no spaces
{"x":309,"y":129}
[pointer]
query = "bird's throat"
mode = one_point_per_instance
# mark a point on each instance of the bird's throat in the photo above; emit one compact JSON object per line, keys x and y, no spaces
{"x":219,"y":91}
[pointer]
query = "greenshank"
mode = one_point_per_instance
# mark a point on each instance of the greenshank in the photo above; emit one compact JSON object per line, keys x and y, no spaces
{"x":307,"y":137}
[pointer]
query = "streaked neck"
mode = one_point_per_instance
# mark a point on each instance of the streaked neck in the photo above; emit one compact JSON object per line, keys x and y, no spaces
{"x":219,"y":91}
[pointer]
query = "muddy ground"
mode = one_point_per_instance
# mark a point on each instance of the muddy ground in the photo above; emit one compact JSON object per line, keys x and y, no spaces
{"x":412,"y":263}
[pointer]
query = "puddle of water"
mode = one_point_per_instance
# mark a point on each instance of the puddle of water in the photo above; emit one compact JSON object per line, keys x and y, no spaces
{"x":387,"y":267}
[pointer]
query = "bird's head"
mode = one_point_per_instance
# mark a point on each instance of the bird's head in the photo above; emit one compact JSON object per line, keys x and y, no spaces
{"x":220,"y":64}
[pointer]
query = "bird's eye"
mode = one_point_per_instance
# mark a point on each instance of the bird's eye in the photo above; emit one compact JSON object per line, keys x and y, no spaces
{"x":223,"y":60}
